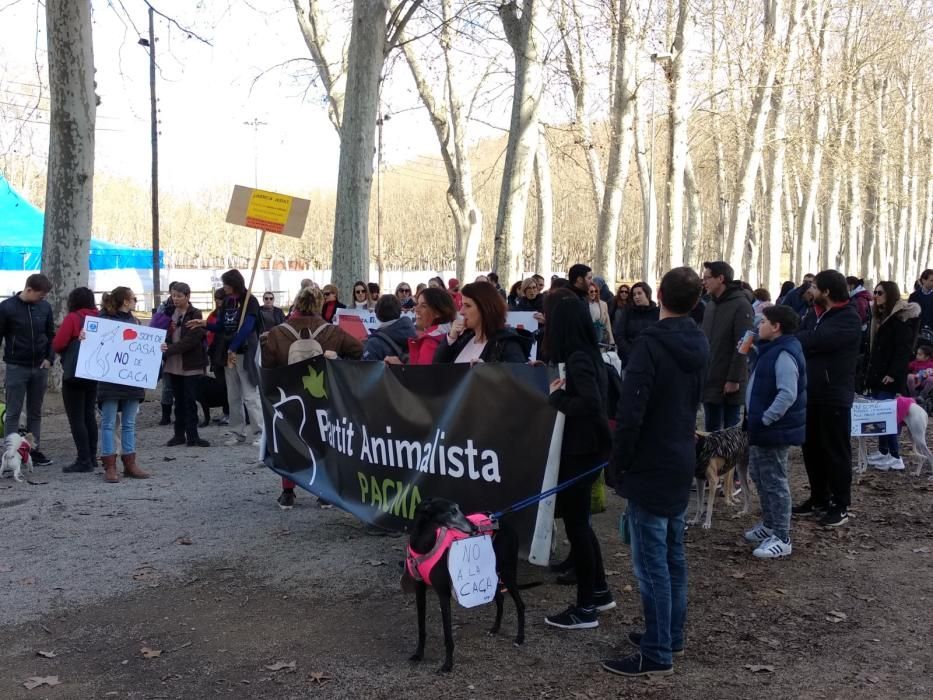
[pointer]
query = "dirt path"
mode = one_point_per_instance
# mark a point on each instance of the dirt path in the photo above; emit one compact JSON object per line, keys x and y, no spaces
{"x":95,"y":573}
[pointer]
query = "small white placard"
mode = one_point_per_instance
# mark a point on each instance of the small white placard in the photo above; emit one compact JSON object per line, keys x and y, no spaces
{"x":522,"y":319}
{"x":870,"y":418}
{"x":472,"y":566}
{"x":120,"y":353}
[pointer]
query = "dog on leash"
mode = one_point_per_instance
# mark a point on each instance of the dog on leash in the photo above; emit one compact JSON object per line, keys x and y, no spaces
{"x":433,"y":518}
{"x":718,"y":455}
{"x":210,"y":392}
{"x":17,"y":454}
{"x":916,"y":420}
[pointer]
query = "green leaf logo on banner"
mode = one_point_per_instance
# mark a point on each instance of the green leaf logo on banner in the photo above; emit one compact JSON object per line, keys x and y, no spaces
{"x":314,"y":383}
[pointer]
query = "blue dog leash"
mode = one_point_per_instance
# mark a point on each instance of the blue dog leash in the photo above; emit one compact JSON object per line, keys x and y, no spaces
{"x":538,"y":497}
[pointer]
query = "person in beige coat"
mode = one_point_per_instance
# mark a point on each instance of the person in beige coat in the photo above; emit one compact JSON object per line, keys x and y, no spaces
{"x":599,"y":312}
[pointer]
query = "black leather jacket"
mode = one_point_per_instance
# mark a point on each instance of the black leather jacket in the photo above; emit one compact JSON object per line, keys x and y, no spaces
{"x":26,"y":331}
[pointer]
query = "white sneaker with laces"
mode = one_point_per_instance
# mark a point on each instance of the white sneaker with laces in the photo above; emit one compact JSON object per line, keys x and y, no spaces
{"x":896,"y":464}
{"x":773,"y":548}
{"x":759,"y":533}
{"x":876,"y":456}
{"x":884,"y":464}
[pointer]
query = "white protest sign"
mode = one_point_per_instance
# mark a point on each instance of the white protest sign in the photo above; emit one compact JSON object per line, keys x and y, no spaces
{"x":874,"y":418}
{"x":120,"y":353}
{"x":472,"y":566}
{"x":522,"y":319}
{"x":370,"y":322}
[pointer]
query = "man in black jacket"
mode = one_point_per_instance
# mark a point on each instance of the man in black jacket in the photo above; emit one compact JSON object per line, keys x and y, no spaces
{"x":654,"y":460}
{"x":26,"y":329}
{"x":580,"y":276}
{"x":830,"y":344}
{"x":924,"y":298}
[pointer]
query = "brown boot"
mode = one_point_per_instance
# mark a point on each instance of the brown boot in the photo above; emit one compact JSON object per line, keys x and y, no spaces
{"x":110,"y":469}
{"x":130,"y":469}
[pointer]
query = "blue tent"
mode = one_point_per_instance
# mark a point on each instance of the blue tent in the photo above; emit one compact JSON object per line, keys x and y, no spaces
{"x":21,"y":226}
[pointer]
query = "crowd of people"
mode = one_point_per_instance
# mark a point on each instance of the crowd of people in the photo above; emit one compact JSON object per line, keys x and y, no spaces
{"x":792,"y":367}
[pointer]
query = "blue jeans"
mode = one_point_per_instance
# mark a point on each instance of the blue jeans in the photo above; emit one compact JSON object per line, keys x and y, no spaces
{"x":887,"y":444}
{"x":25,"y":385}
{"x":128,"y":409}
{"x":717,"y":416}
{"x":660,"y":565}
{"x":768,"y":469}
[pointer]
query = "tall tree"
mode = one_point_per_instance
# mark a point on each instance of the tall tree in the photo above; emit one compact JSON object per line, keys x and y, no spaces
{"x":66,"y":239}
{"x":523,"y":29}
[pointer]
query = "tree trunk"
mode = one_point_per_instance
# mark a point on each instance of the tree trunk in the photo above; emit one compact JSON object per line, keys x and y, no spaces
{"x":66,"y":239}
{"x":755,"y":136}
{"x":901,"y":236}
{"x":329,"y":58}
{"x":694,"y":215}
{"x":649,"y":202}
{"x":620,"y":147}
{"x":679,"y":116}
{"x":544,"y":240}
{"x":350,"y":258}
{"x":524,"y":35}
{"x":916,"y":163}
{"x":927,"y":235}
{"x":854,"y":229}
{"x":875,"y":199}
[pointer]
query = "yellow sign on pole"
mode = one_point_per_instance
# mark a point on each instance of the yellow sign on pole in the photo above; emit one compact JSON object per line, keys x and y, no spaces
{"x":268,"y":211}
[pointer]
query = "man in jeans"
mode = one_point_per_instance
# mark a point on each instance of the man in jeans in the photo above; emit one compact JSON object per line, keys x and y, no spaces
{"x":654,"y":460}
{"x":26,"y":329}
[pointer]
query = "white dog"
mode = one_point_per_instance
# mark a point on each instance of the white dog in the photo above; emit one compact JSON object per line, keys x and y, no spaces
{"x":916,"y":421}
{"x":17,"y":454}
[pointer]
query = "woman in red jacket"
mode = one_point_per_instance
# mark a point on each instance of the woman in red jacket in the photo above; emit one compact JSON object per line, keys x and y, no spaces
{"x":434,"y":312}
{"x":78,"y":395}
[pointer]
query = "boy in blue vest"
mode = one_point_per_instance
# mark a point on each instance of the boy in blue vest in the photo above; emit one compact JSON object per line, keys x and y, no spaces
{"x":776,"y":405}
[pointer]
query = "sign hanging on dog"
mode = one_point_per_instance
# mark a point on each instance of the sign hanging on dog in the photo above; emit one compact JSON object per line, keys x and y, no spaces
{"x":120,"y":353}
{"x":472,"y":566}
{"x":872,"y":418}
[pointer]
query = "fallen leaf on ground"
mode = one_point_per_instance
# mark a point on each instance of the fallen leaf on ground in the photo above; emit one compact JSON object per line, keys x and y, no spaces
{"x":183,"y":540}
{"x":738,"y":574}
{"x":318,"y":677}
{"x":836,"y":616}
{"x":280,"y":666}
{"x":375,"y":562}
{"x":5,"y":568}
{"x":36,"y":681}
{"x":150,"y":653}
{"x":922,"y":550}
{"x":782,"y":591}
{"x":46,"y":654}
{"x":759,"y":668}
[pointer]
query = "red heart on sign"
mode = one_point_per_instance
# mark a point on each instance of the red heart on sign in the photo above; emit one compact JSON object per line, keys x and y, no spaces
{"x":129,"y":334}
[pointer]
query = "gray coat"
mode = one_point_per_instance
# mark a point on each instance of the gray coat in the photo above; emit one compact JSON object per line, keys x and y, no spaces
{"x":724,"y":323}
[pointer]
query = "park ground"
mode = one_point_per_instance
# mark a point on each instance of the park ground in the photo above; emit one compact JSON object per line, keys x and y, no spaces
{"x":193,"y":584}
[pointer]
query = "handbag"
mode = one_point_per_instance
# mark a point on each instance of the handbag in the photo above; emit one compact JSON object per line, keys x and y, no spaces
{"x":69,"y":360}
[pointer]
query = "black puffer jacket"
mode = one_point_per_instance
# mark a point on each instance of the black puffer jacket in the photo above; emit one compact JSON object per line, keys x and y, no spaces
{"x":504,"y":346}
{"x":892,"y":344}
{"x":831,"y":345}
{"x":26,"y":331}
{"x":630,"y":324}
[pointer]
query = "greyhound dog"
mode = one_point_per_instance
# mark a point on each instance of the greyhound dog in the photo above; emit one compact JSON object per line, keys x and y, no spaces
{"x":916,"y":420}
{"x":718,"y":454}
{"x":433,"y":518}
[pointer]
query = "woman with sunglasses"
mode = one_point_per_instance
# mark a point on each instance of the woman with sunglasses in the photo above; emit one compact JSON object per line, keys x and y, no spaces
{"x":361,"y":298}
{"x":618,"y":303}
{"x":894,"y":327}
{"x":119,"y":398}
{"x":403,"y":292}
{"x":599,"y":312}
{"x":271,"y":314}
{"x":331,"y":303}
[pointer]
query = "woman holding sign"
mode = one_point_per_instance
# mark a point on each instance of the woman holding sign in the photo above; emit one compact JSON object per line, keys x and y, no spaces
{"x":581,"y":395}
{"x":185,"y":362}
{"x":119,"y":398}
{"x":236,"y":343}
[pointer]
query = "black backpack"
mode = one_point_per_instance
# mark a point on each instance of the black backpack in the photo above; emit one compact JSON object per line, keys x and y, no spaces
{"x":613,"y":391}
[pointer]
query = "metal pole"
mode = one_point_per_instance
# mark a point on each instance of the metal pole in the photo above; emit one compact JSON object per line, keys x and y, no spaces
{"x":156,"y":272}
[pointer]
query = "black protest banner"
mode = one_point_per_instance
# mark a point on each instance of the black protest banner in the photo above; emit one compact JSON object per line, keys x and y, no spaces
{"x":375,"y":439}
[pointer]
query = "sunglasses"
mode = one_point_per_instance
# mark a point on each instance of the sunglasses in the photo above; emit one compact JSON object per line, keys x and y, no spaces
{"x":329,"y":294}
{"x":268,"y":298}
{"x":359,"y":291}
{"x":404,"y":291}
{"x":878,"y":292}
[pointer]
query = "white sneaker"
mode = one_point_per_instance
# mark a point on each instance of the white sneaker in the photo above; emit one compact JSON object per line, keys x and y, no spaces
{"x":773,"y":548}
{"x":883,"y":464}
{"x":876,"y":457}
{"x":896,"y":464}
{"x":234,"y":441}
{"x":759,"y":533}
{"x":257,"y":441}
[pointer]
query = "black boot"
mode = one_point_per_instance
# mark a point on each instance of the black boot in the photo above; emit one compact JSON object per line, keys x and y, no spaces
{"x":178,"y":439}
{"x":166,"y":414}
{"x":79,"y":465}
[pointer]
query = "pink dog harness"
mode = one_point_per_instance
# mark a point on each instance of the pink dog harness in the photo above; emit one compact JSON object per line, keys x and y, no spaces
{"x":24,"y":450}
{"x":419,"y":566}
{"x":903,"y":406}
